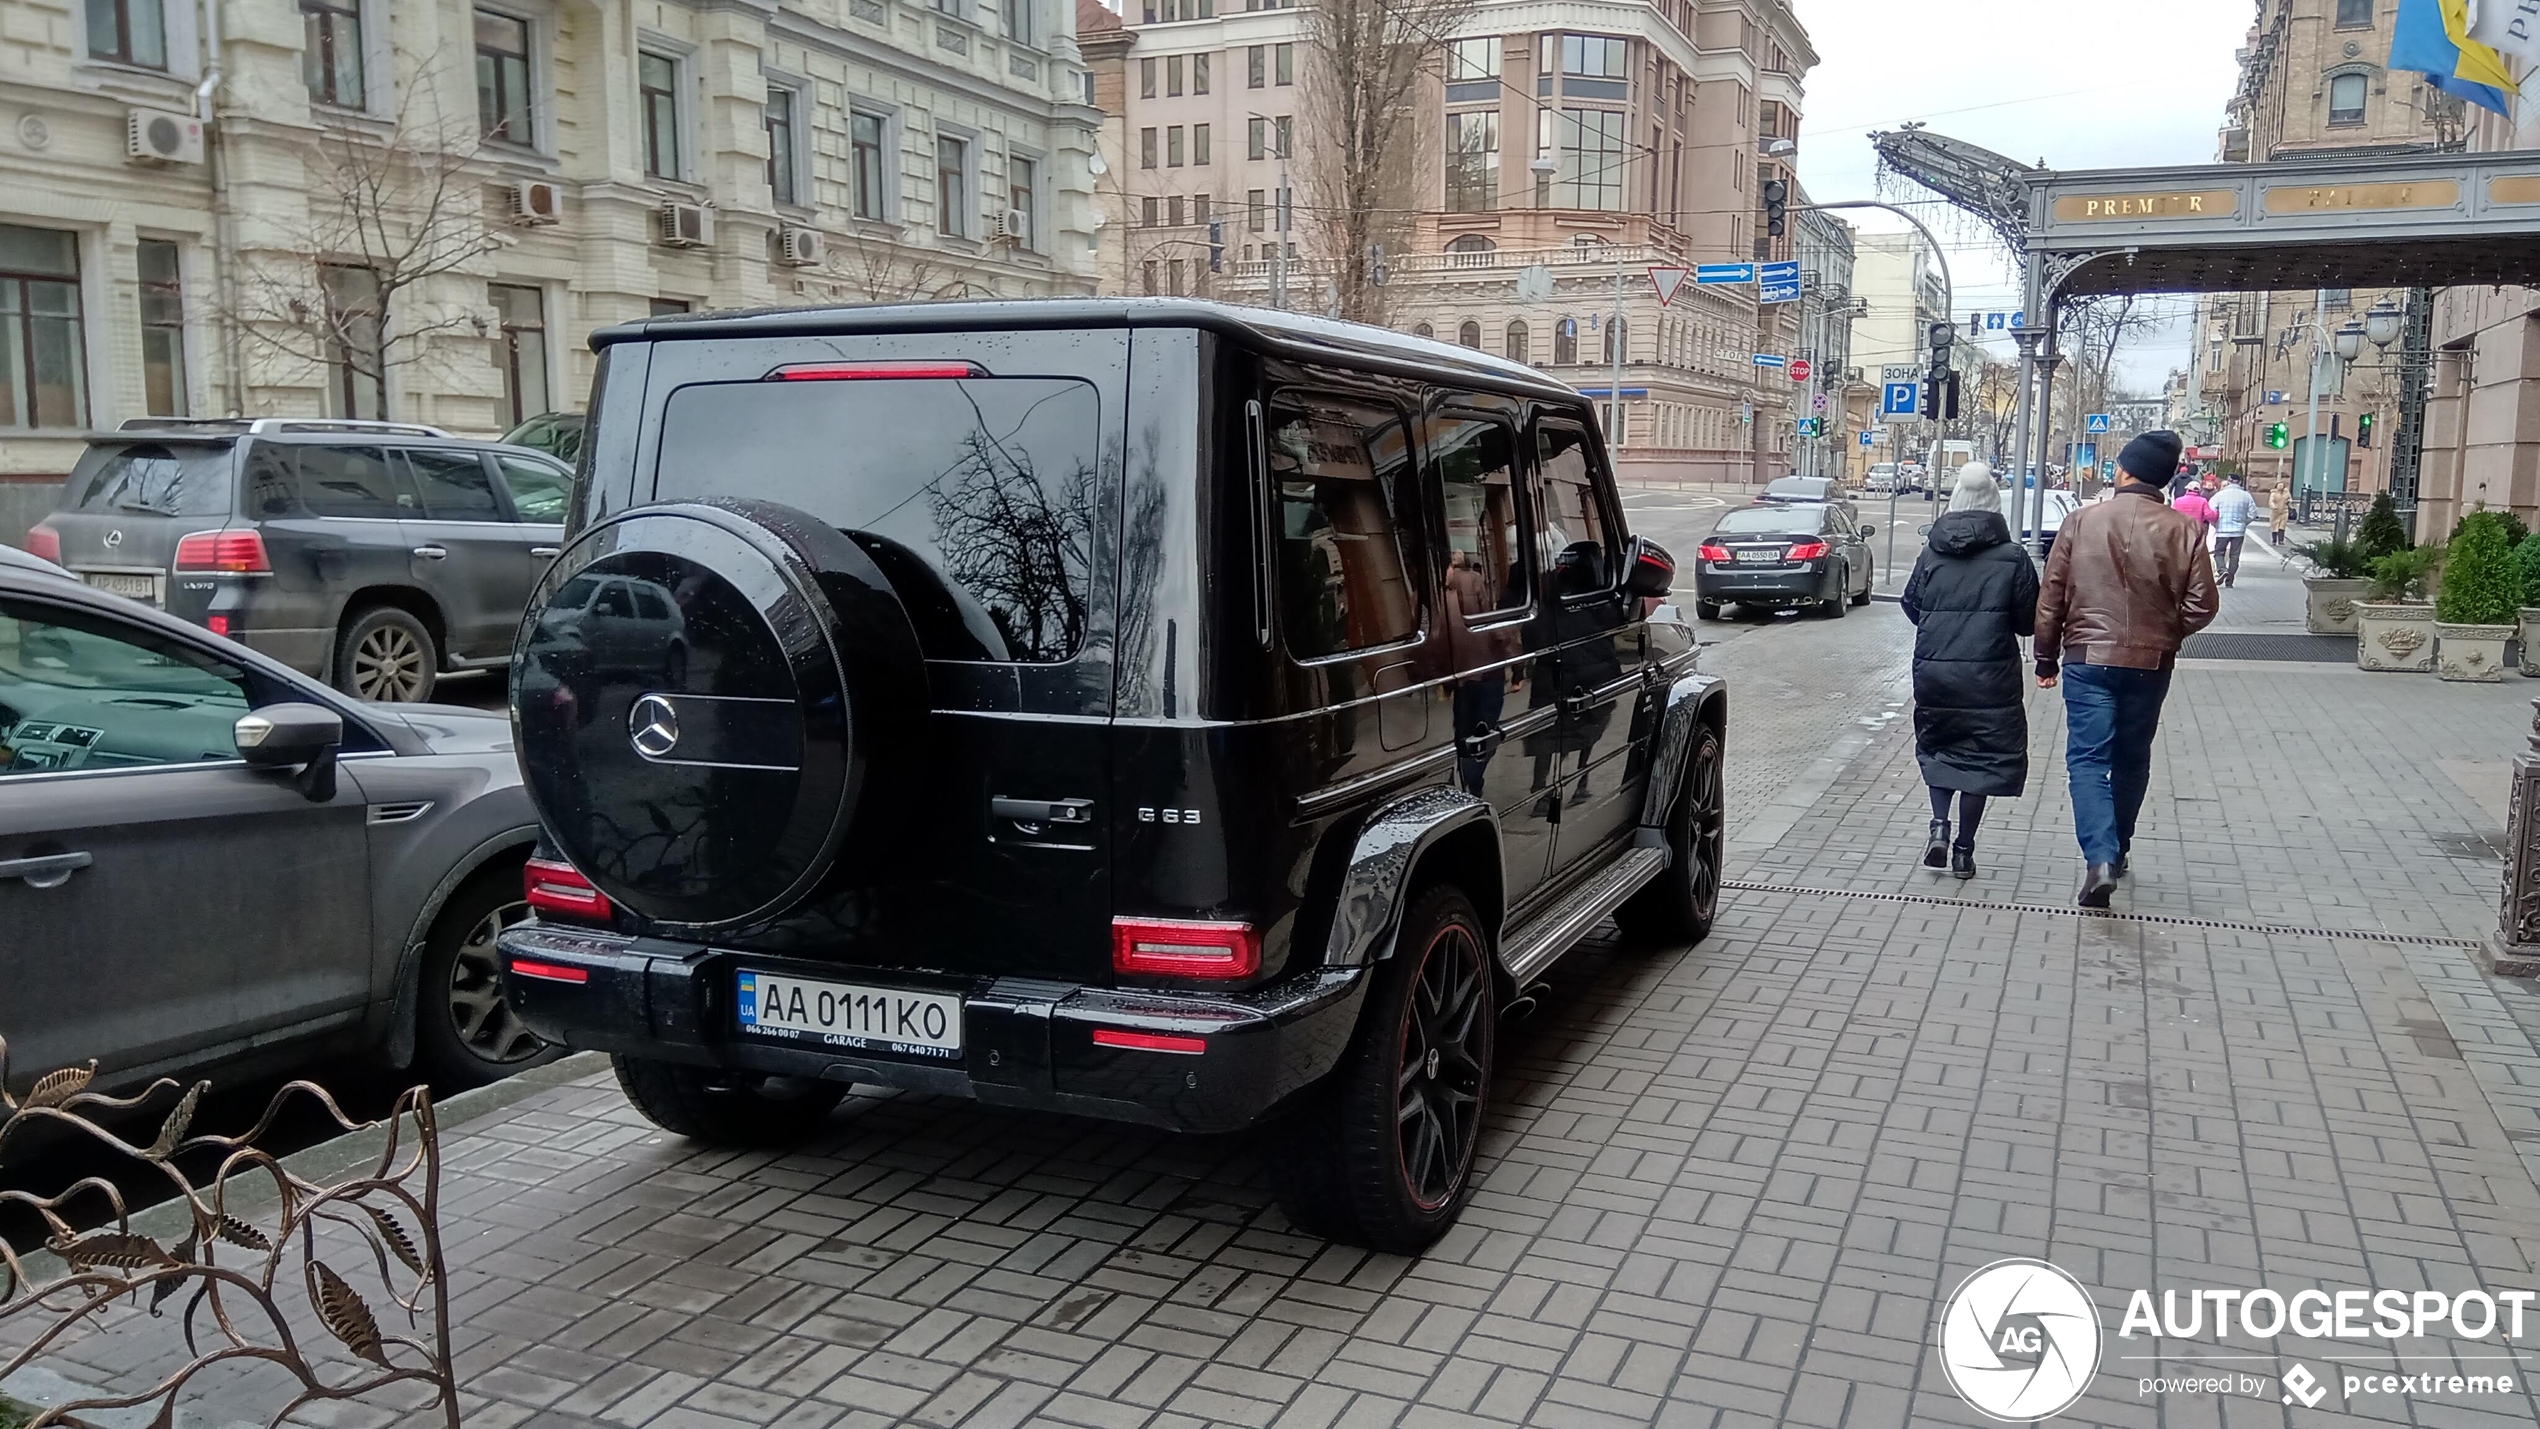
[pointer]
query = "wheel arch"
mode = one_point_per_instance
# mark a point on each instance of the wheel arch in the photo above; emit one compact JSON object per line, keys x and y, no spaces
{"x":1433,"y":835}
{"x":512,"y":847}
{"x":1694,"y":700}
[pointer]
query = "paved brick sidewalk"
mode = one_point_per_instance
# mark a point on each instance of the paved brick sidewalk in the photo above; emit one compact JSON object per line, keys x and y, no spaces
{"x":1727,"y":1185}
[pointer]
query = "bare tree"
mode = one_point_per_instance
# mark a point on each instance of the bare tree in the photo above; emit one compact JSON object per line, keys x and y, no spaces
{"x":1364,"y":133}
{"x":881,"y":272}
{"x":388,"y":212}
{"x":2097,"y":331}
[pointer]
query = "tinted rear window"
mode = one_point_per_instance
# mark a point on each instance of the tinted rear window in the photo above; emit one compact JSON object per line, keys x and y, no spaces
{"x":976,"y":496}
{"x":168,"y":479}
{"x":1777,"y":521}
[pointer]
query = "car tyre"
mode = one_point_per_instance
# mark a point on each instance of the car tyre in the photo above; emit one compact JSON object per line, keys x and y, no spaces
{"x":726,"y":1108}
{"x":1708,"y":609}
{"x":1677,"y":907}
{"x":465,"y":1033}
{"x":1868,"y":584}
{"x":386,"y":654}
{"x":1382,"y":1154}
{"x":1833,"y":609}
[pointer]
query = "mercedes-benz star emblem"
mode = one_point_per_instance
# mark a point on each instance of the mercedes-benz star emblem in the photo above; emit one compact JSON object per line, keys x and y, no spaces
{"x":654,"y":726}
{"x":113,"y":539}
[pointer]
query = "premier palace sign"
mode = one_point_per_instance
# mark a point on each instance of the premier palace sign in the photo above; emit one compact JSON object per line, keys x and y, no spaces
{"x":2203,"y":203}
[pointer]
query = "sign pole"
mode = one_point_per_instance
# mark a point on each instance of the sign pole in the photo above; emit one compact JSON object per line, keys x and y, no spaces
{"x":1614,"y":340}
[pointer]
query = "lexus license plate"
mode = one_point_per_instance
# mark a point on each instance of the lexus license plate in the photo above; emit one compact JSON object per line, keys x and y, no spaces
{"x":839,"y":1014}
{"x":137,"y":586}
{"x":1759,"y":558}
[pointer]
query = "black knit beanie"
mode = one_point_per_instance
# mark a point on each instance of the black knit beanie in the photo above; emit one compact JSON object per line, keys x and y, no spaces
{"x":2152,"y":457}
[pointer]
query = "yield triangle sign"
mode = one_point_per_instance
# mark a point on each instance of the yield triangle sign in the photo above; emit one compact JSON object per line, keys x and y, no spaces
{"x":1667,"y":281}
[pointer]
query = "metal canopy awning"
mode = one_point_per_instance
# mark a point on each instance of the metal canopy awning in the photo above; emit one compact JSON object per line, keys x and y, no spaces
{"x":2342,"y":221}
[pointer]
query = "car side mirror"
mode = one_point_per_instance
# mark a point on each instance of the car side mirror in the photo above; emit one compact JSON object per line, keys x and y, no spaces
{"x":1868,"y":530}
{"x":1653,"y":571}
{"x":294,"y":733}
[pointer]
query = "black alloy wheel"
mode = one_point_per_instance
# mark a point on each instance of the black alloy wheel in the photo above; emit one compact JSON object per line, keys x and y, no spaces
{"x":387,"y":655}
{"x":1678,"y":907}
{"x":1869,"y":582}
{"x":465,"y":1032}
{"x":1382,"y":1154}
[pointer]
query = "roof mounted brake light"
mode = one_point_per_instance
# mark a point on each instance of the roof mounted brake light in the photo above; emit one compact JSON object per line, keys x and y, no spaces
{"x":874,"y":371}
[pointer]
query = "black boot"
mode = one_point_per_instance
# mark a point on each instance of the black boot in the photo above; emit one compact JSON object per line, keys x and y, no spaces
{"x":1962,"y":860}
{"x":2118,"y":869}
{"x":2098,"y":884}
{"x":1936,"y":853}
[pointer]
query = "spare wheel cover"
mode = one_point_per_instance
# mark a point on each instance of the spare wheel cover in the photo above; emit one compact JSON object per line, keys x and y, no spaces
{"x":693,"y":736}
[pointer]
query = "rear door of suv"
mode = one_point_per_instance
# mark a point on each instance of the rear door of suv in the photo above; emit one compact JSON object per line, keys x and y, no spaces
{"x":982,"y":471}
{"x":127,"y":504}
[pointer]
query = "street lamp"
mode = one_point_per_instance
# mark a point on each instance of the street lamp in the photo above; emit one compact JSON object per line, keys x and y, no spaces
{"x":2382,"y":324}
{"x":2350,"y":342}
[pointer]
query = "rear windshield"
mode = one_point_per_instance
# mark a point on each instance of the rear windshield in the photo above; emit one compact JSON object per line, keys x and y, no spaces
{"x":975,"y":495}
{"x":158,"y":478}
{"x":1772,"y":521}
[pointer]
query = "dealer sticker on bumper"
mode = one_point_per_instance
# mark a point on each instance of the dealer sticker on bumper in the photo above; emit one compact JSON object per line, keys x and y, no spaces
{"x":837,"y":1014}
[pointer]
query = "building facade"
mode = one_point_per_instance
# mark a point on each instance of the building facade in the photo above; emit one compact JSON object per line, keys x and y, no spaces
{"x":1565,"y":150}
{"x":345,"y":208}
{"x":2482,"y":421}
{"x":2311,"y":81}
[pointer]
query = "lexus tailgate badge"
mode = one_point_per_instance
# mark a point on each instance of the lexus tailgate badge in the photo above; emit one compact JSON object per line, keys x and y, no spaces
{"x":654,"y":726}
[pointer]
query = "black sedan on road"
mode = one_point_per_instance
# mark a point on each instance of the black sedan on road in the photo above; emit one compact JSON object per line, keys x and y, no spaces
{"x":1783,"y":557}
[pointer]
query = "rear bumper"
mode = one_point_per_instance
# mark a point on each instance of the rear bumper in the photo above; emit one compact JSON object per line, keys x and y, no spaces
{"x":1025,"y":1043}
{"x":254,"y":613}
{"x":1762,"y":586}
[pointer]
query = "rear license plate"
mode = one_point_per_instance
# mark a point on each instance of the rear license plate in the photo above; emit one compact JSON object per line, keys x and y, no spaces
{"x":839,"y":1014}
{"x":137,"y":586}
{"x":1759,"y":558}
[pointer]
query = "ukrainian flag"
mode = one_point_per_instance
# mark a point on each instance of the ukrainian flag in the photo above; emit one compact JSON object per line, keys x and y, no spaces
{"x":2433,"y":39}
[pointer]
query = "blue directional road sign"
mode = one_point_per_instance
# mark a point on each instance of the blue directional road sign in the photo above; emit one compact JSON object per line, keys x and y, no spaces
{"x":1710,"y":273}
{"x":1768,"y":359}
{"x":2098,"y":423}
{"x":1780,"y":282}
{"x":1902,"y":399}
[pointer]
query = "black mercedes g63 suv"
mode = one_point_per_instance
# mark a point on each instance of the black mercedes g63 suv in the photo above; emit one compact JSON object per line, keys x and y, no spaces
{"x":1142,"y":709}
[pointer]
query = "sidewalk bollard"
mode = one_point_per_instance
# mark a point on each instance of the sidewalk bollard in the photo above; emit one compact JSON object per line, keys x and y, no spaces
{"x":2513,"y":950}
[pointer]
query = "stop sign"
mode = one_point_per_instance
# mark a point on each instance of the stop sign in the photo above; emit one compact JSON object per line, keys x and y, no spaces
{"x":1799,"y":370}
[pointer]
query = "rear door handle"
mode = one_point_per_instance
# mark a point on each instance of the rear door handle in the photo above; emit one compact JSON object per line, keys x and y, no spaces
{"x":546,"y":550}
{"x":50,"y":870}
{"x":1043,"y":811}
{"x":431,"y":553}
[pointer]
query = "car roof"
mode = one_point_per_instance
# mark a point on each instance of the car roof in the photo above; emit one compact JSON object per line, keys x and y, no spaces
{"x":314,"y":436}
{"x":13,"y":559}
{"x":1293,"y":334}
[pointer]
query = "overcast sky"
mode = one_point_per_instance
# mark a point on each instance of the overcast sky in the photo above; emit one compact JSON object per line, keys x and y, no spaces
{"x":2081,"y":86}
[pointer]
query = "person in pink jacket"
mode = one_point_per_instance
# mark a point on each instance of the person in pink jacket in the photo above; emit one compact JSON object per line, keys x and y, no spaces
{"x":2193,"y":502}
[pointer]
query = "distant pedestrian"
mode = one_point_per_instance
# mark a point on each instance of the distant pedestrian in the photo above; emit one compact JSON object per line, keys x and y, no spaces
{"x":2127,"y":584}
{"x":1972,"y":596}
{"x":2193,"y":503}
{"x":2234,"y":509}
{"x":2279,"y":514}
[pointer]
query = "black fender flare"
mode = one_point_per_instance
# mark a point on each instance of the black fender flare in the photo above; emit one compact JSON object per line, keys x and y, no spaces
{"x":1693,"y":699}
{"x":1389,"y":847}
{"x":401,"y":1015}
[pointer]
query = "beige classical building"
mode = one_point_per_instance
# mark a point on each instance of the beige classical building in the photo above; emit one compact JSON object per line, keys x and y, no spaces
{"x":1655,"y":127}
{"x":204,"y":209}
{"x":2482,"y":441}
{"x":2312,"y":80}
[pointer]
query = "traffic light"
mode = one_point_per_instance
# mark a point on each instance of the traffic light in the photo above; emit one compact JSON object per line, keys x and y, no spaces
{"x":1942,"y":335}
{"x":2279,"y":436}
{"x":1217,"y":245}
{"x":1776,"y":204}
{"x":1376,"y":265}
{"x":1940,"y":397}
{"x":2363,"y":429}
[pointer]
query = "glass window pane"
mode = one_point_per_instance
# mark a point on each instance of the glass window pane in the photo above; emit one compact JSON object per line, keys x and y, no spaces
{"x":49,"y":252}
{"x":1578,"y":556}
{"x":976,"y":496}
{"x":539,"y":492}
{"x":149,"y":33}
{"x":1336,"y":469}
{"x":108,"y":699}
{"x":453,"y":485}
{"x":60,"y":369}
{"x":105,"y":29}
{"x":1475,"y":459}
{"x":351,"y":481}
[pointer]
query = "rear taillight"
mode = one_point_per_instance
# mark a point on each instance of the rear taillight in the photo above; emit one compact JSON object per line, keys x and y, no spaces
{"x":873,"y":371}
{"x":1713,"y":553}
{"x":1807,"y":551}
{"x":550,"y":972}
{"x":217,"y":624}
{"x":1167,"y":947}
{"x":43,"y":540}
{"x":553,"y":886}
{"x":234,"y":552}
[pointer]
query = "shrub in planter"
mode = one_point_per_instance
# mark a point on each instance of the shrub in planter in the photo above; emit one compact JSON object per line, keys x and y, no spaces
{"x":2338,"y":560}
{"x":2481,"y":599}
{"x":2381,"y":533}
{"x":2527,"y":562}
{"x":2404,"y":575}
{"x":2395,"y":629}
{"x":2330,"y":591}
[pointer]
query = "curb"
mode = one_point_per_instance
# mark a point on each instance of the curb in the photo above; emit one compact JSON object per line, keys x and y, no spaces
{"x":353,"y":1148}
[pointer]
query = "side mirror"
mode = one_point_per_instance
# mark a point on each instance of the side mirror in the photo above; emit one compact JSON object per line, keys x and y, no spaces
{"x":291,"y":734}
{"x":1653,"y":571}
{"x":1868,"y":530}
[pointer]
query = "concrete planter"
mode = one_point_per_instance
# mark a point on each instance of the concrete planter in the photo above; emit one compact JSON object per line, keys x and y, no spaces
{"x":2530,"y":647}
{"x":2329,"y":604}
{"x":2471,"y":653}
{"x":2394,"y":635}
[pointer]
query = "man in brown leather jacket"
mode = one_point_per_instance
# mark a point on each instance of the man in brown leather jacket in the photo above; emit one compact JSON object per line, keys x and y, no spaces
{"x":2127,"y":584}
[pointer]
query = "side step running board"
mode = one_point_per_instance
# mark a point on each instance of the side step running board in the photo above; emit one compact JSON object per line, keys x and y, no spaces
{"x":1537,"y":945}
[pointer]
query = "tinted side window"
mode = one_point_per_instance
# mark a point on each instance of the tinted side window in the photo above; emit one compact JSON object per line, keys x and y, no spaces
{"x":75,"y":693}
{"x":1579,"y":550}
{"x":539,"y":492}
{"x":1475,"y":459}
{"x":614,"y":600}
{"x":273,"y":489}
{"x":351,"y":481}
{"x":454,"y":486}
{"x":1336,"y":468}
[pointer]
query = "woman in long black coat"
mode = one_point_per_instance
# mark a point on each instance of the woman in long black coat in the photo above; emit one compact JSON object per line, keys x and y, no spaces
{"x":1972,"y":598}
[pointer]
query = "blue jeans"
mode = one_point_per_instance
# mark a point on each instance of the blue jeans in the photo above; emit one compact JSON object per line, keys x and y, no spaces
{"x":2110,"y":716}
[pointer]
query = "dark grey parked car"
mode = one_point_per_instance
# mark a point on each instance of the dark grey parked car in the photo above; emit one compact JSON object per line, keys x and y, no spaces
{"x":208,"y":858}
{"x":373,"y":555}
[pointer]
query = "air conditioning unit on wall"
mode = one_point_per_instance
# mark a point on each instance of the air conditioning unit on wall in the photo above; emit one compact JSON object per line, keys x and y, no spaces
{"x":1013,"y":225}
{"x":802,"y":247}
{"x":686,"y":225}
{"x":162,"y":137}
{"x":531,"y":202}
